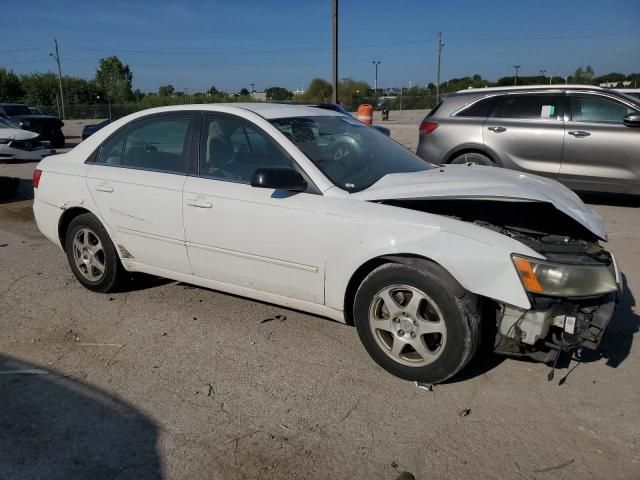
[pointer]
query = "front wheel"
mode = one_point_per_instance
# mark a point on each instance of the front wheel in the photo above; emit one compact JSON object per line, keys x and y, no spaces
{"x":91,"y":254}
{"x":416,"y":321}
{"x":57,"y":139}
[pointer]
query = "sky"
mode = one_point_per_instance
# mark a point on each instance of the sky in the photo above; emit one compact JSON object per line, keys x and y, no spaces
{"x":196,"y":44}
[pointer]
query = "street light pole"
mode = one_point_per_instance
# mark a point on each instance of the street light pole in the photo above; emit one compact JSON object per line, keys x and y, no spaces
{"x":515,"y":79}
{"x":544,"y":75}
{"x":56,"y":57}
{"x":440,"y":45}
{"x":334,"y":95}
{"x":375,"y":85}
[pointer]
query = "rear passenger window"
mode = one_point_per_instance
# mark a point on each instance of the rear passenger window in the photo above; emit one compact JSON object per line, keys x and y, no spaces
{"x":111,"y":151}
{"x":157,"y":144}
{"x":529,"y":107}
{"x":232,"y":149}
{"x":590,"y":108}
{"x":481,"y":108}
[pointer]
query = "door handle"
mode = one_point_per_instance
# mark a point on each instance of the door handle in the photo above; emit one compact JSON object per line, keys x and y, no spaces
{"x":198,"y":204}
{"x":498,"y":129}
{"x":579,"y":133}
{"x":104,"y":188}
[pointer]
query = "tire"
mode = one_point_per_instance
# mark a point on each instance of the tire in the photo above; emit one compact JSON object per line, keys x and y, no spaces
{"x":443,"y":324}
{"x":475,"y":159}
{"x":57,"y":139}
{"x":91,"y":254}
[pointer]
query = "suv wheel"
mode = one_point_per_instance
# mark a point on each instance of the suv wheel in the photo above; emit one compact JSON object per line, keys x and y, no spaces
{"x":474,"y":158}
{"x":416,"y":321}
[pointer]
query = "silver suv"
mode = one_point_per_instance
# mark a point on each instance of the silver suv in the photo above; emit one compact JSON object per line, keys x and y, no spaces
{"x":583,"y":136}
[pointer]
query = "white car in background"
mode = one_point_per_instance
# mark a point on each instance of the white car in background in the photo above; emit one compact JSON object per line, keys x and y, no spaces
{"x":251,"y":199}
{"x":18,"y":144}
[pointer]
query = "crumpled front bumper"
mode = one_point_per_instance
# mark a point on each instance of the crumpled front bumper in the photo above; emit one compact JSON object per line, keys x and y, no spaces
{"x":560,"y":325}
{"x":35,"y":155}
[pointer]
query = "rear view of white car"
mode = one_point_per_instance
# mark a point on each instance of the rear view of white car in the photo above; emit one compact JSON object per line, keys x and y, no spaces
{"x":253,"y":200}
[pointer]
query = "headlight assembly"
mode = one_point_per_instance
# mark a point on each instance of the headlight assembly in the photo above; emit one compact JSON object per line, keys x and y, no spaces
{"x":560,"y":280}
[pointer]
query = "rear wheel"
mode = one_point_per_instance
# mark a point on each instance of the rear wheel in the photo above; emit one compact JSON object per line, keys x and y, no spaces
{"x":416,"y":321}
{"x":474,"y":158}
{"x":91,"y":254}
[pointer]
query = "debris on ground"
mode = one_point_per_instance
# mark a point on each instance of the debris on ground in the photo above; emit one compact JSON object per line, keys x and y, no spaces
{"x":71,"y":336}
{"x":111,"y":361}
{"x":211,"y":392}
{"x":278,"y":317}
{"x":465,"y":412}
{"x":111,"y":299}
{"x":164,"y":334}
{"x":284,"y":427}
{"x":4,"y":245}
{"x":394,"y":465}
{"x":425,"y":386}
{"x":555,"y":467}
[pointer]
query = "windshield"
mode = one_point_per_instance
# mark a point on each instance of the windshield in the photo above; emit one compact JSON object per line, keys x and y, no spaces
{"x":351,"y":154}
{"x":13,"y":110}
{"x":6,"y":123}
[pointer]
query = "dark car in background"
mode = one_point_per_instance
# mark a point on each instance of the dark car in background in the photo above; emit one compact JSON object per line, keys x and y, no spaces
{"x":583,"y":136}
{"x":336,"y":107}
{"x":48,"y":127}
{"x":89,"y":130}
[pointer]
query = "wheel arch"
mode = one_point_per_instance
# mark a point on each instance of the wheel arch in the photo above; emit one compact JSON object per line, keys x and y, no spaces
{"x":412,"y":260}
{"x":473,"y":148}
{"x":65,"y":220}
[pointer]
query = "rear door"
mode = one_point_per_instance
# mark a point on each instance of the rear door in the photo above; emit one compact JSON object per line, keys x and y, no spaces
{"x":526,"y":132}
{"x":137,"y":183}
{"x":600,"y":152}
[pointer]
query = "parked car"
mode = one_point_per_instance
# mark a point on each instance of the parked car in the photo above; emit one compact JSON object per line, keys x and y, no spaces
{"x":18,"y":144}
{"x":48,"y":127}
{"x":232,"y":198}
{"x":586,"y":137}
{"x":336,"y":107}
{"x":89,"y":130}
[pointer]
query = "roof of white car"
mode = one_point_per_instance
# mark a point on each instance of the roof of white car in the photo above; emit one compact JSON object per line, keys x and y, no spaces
{"x":266,"y":110}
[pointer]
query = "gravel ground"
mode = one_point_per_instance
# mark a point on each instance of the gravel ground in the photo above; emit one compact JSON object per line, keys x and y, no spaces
{"x":167,"y":380}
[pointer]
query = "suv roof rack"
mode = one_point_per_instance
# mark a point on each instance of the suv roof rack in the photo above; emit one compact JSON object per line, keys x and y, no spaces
{"x":532,"y":87}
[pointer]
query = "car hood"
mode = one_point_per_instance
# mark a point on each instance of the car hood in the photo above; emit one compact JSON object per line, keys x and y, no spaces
{"x":17,"y":134}
{"x":483,"y":183}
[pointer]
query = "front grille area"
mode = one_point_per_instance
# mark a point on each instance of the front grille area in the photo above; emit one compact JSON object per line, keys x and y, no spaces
{"x":26,"y":145}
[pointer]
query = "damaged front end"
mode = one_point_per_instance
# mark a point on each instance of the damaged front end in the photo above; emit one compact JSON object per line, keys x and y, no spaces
{"x":573,"y":290}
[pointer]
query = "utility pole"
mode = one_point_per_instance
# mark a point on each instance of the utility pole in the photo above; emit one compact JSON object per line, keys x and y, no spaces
{"x":334,"y":95}
{"x":440,"y":45}
{"x":544,"y":75}
{"x":375,"y":85}
{"x":56,"y":57}
{"x":252,"y":87}
{"x":515,"y":79}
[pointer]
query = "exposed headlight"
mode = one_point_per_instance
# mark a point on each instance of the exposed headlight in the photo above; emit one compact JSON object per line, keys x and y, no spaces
{"x":558,"y":280}
{"x":24,"y":123}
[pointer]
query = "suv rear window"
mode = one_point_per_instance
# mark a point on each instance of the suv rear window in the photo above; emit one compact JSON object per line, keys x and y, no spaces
{"x":540,"y":107}
{"x":481,"y":108}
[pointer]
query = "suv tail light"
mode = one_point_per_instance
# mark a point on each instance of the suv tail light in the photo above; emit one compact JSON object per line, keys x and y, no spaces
{"x":37,"y":173}
{"x":428,"y":127}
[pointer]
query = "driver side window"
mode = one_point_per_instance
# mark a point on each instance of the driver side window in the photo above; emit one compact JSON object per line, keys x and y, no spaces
{"x":232,"y":149}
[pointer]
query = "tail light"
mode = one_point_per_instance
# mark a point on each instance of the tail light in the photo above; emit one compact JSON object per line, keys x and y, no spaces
{"x":428,"y":127}
{"x":37,"y":173}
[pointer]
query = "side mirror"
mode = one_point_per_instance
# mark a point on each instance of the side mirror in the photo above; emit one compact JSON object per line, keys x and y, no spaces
{"x":632,"y":120}
{"x":279,"y":178}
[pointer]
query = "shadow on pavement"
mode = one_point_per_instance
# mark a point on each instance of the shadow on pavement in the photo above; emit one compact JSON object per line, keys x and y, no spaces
{"x":15,"y":190}
{"x":57,"y":427}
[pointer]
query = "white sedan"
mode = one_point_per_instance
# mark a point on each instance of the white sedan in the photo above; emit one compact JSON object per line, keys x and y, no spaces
{"x":312,"y":210}
{"x":18,"y":144}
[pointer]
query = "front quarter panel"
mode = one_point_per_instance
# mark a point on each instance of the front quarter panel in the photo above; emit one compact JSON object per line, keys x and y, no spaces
{"x":479,"y":259}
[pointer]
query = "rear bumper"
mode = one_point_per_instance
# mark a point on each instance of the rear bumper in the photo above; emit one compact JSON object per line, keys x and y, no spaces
{"x":47,"y":218}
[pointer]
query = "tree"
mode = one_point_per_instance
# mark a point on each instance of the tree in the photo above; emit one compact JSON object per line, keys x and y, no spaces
{"x":114,"y":79}
{"x":166,"y":90}
{"x":10,"y":86}
{"x":41,"y":88}
{"x":278,"y":94}
{"x":582,"y":76}
{"x":213,"y":91}
{"x":319,"y":90}
{"x":244,"y":92}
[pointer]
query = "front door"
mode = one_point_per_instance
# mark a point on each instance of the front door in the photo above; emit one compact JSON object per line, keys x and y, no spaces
{"x":259,"y":239}
{"x":600,"y":152}
{"x":136,"y":183}
{"x":526,"y":132}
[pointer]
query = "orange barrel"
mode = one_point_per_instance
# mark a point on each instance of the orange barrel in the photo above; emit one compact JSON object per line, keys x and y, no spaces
{"x":365,"y":113}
